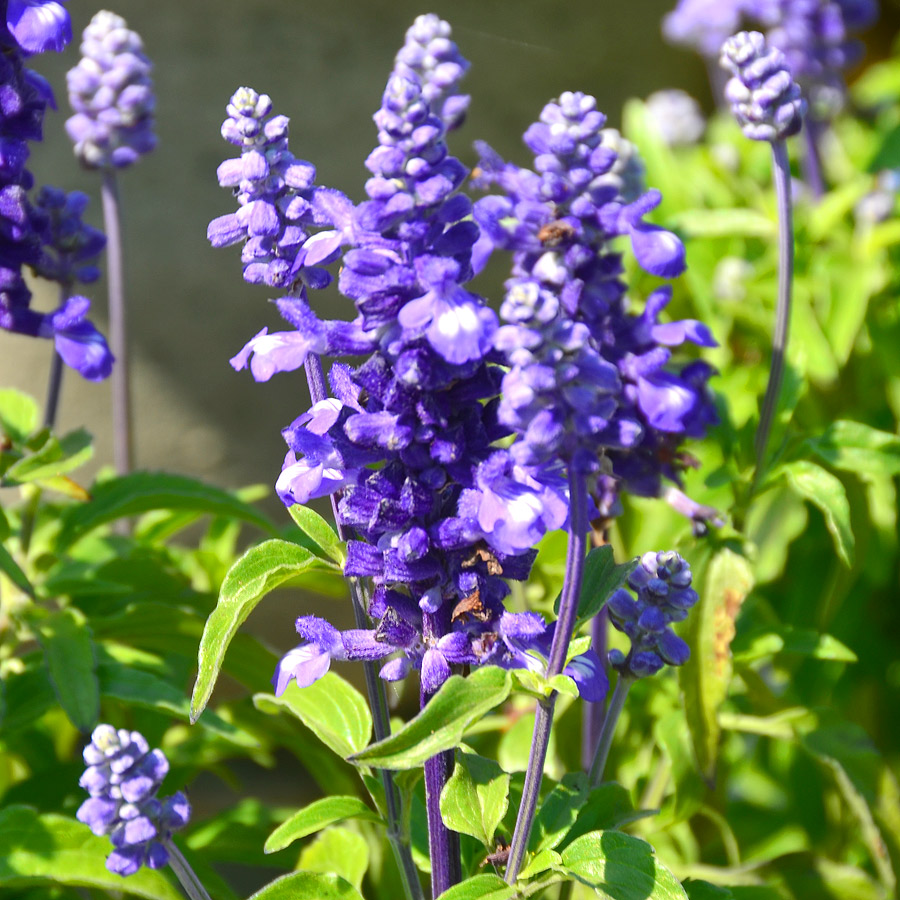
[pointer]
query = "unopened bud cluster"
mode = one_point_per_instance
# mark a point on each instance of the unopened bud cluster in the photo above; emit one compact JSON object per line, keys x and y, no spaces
{"x":662,"y":582}
{"x":123,"y":776}
{"x":763,"y":95}
{"x":112,"y":95}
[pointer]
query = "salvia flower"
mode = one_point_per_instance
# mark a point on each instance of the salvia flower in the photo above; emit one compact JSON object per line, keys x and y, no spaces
{"x":430,"y":53}
{"x":38,"y":25}
{"x":71,"y":246}
{"x":47,"y":235}
{"x":123,"y":776}
{"x":662,"y":583}
{"x":111,"y":93}
{"x":764,"y":97}
{"x":588,"y":382}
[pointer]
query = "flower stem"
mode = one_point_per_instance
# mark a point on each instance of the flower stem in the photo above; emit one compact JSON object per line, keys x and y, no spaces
{"x":374,"y":686}
{"x":562,"y":636}
{"x":192,"y":885}
{"x":812,"y":160}
{"x":783,"y":309}
{"x":592,"y":713}
{"x":118,"y":333}
{"x":609,"y":728}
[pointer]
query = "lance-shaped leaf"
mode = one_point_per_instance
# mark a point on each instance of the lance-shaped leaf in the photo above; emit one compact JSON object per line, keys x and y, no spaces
{"x":824,"y":490}
{"x":260,"y":570}
{"x":769,"y":640}
{"x":317,"y":816}
{"x":308,"y":886}
{"x":602,"y":576}
{"x":55,"y":457}
{"x":51,"y":850}
{"x":480,"y":887}
{"x":706,"y":676}
{"x":475,"y":798}
{"x":142,"y":492}
{"x":10,"y":568}
{"x":441,"y":725}
{"x":340,"y":851}
{"x":855,"y":447}
{"x":621,"y":867}
{"x":319,"y":531}
{"x":332,"y":709}
{"x":71,"y":662}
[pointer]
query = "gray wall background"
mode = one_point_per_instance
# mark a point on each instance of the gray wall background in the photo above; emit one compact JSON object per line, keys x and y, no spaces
{"x":325,"y":65}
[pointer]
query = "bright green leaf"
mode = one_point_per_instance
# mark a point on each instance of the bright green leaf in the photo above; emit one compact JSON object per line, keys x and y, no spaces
{"x":822,"y":489}
{"x":141,"y":492}
{"x":441,"y":725}
{"x":768,"y":641}
{"x":260,"y":570}
{"x":705,"y":678}
{"x":317,"y":816}
{"x":308,"y":886}
{"x":855,"y":447}
{"x":10,"y":568}
{"x":331,"y":708}
{"x":69,"y":654}
{"x":337,"y":850}
{"x":55,"y":458}
{"x":558,"y":811}
{"x":723,"y":223}
{"x":607,"y":806}
{"x":540,"y":862}
{"x":621,"y":867}
{"x":601,"y":578}
{"x":52,"y":849}
{"x":316,"y":528}
{"x":475,"y":798}
{"x":18,"y":415}
{"x":480,"y":887}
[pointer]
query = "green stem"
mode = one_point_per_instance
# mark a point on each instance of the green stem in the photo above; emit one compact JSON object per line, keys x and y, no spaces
{"x":192,"y":885}
{"x":609,"y":728}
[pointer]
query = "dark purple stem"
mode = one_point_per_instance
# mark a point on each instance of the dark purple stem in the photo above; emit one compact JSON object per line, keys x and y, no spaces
{"x":443,"y":844}
{"x":783,"y":310}
{"x":562,"y":636}
{"x":56,"y":373}
{"x":375,"y":687}
{"x":592,"y":713}
{"x":118,"y":332}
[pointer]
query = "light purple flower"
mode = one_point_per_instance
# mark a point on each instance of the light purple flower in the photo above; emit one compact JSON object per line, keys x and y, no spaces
{"x":39,"y":25}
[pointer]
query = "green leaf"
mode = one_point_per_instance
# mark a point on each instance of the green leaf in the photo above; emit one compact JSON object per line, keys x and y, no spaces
{"x":723,"y":223}
{"x":308,"y":886}
{"x":69,"y":654}
{"x":141,"y":492}
{"x":869,"y":788}
{"x":316,"y":528}
{"x":855,"y":447}
{"x":10,"y":568}
{"x":337,"y":850}
{"x":769,"y":640}
{"x":480,"y":887}
{"x":317,"y":816}
{"x":607,"y":806}
{"x":18,"y":415}
{"x":144,"y":689}
{"x":331,"y":708}
{"x":260,"y":570}
{"x":672,"y":735}
{"x":54,"y":458}
{"x":601,"y":578}
{"x":824,"y":490}
{"x":621,"y":867}
{"x":705,"y":678}
{"x":703,"y":890}
{"x":540,"y":862}
{"x":475,"y":798}
{"x":558,"y":811}
{"x":441,"y":725}
{"x":48,"y":849}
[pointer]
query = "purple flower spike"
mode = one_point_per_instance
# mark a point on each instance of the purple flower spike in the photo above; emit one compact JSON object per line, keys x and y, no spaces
{"x":39,"y":25}
{"x":664,"y":596}
{"x":112,"y":96}
{"x":123,"y":776}
{"x":764,"y":98}
{"x":77,"y":341}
